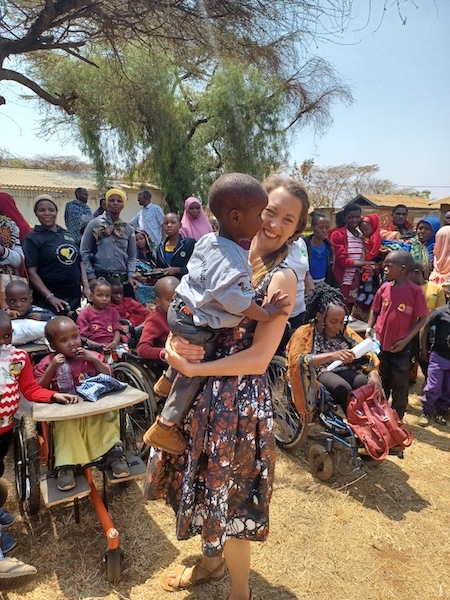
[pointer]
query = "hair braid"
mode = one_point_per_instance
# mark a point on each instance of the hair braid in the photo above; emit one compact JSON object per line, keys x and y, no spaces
{"x":322,"y":297}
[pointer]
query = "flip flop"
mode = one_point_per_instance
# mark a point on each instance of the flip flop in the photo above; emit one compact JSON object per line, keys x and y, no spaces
{"x":199,"y":575}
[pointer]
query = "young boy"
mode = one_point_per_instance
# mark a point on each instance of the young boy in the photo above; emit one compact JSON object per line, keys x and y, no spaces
{"x":398,"y":312}
{"x":215,"y":294}
{"x":127,"y":308}
{"x":434,"y":297}
{"x":436,"y":393}
{"x":16,"y":377}
{"x":79,"y":441}
{"x":156,"y":328}
{"x":19,"y":298}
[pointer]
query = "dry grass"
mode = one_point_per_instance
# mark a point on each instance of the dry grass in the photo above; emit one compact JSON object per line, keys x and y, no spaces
{"x":377,"y":535}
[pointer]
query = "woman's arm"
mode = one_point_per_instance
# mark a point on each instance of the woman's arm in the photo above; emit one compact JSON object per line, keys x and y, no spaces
{"x":253,"y":360}
{"x":11,"y":257}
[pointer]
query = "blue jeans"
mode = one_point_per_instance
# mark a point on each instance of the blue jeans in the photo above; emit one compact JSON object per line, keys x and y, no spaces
{"x":186,"y":389}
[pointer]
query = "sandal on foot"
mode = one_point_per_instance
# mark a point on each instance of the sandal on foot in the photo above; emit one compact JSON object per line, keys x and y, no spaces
{"x":199,"y":575}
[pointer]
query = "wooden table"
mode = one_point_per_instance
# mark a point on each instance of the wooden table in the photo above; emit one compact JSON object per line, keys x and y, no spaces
{"x":84,"y":408}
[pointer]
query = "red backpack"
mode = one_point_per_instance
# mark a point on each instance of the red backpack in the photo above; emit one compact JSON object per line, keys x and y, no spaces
{"x":375,"y":423}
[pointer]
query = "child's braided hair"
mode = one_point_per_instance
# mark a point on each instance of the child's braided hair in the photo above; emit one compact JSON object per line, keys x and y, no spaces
{"x":319,"y":301}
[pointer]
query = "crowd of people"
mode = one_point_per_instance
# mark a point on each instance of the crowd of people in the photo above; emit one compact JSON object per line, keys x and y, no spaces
{"x":226,"y":296}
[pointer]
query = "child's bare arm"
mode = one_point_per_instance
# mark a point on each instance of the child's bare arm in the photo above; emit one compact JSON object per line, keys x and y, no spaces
{"x":270,"y":310}
{"x":47,"y":378}
{"x":113,"y":345}
{"x":372,"y":319}
{"x":98,"y":365}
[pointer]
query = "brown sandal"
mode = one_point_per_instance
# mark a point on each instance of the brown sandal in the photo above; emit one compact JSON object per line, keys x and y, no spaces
{"x":199,"y":575}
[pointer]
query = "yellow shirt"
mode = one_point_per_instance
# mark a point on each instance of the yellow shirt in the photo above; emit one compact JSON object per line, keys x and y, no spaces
{"x":434,"y":295}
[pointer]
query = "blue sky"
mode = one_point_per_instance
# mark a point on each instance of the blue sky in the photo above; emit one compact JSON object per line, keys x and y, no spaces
{"x":400,"y":118}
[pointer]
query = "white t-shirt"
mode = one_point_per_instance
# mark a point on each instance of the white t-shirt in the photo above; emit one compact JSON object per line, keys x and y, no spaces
{"x":217,"y":287}
{"x":297,"y":259}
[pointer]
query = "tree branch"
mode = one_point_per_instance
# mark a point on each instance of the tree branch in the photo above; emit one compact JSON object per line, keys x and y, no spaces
{"x":65,"y":102}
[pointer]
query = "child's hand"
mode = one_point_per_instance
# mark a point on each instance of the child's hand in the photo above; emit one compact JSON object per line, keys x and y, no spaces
{"x":276,"y":304}
{"x":12,"y":314}
{"x":346,"y":356}
{"x":58,"y":360}
{"x":64,"y":398}
{"x":110,"y":347}
{"x":86,"y":354}
{"x":398,"y":346}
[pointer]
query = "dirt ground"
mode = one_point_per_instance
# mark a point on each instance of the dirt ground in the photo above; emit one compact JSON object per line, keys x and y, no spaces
{"x":378,"y":534}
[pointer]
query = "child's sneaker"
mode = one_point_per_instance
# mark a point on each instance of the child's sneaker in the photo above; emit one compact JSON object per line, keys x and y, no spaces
{"x":65,"y":478}
{"x":116,"y":461}
{"x":162,"y":386}
{"x":440,"y":420}
{"x":14,"y":572}
{"x":6,"y":518}
{"x":167,"y":438}
{"x":8,"y":542}
{"x":424,"y":420}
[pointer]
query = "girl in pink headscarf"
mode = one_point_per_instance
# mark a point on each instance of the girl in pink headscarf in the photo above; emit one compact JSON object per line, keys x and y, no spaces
{"x":9,"y":209}
{"x":194,"y":222}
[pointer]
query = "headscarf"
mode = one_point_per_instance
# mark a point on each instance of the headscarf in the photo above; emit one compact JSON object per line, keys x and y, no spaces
{"x":441,"y":270}
{"x":435,"y":224}
{"x":150,"y":245}
{"x":119,"y":192}
{"x":9,"y":209}
{"x":194,"y":228}
{"x":372,"y":244}
{"x":42,"y":197}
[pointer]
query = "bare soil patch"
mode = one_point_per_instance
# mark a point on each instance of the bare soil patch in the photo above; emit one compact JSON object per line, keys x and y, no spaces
{"x":379,"y":534}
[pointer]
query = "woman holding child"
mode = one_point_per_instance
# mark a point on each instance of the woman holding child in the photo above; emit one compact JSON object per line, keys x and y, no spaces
{"x":221,"y":486}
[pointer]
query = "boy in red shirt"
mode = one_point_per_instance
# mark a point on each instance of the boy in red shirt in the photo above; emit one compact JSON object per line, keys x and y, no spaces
{"x":398,"y":312}
{"x":129,"y":309}
{"x":156,"y":329}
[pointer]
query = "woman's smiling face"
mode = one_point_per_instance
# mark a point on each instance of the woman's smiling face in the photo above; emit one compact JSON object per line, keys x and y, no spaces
{"x":280,"y":219}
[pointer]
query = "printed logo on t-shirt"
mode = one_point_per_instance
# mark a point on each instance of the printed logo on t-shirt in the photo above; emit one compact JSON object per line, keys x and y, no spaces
{"x":244,"y":288}
{"x":405,"y":309}
{"x":15,"y":368}
{"x":110,"y":328}
{"x":66,"y":254}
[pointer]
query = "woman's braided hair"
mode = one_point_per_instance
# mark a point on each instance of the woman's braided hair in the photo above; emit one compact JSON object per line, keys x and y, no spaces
{"x":322,"y":297}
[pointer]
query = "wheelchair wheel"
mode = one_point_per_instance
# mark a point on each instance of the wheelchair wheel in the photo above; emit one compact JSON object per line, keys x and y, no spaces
{"x":138,"y":418}
{"x":321,"y":462}
{"x":27,"y":464}
{"x":289,"y":427}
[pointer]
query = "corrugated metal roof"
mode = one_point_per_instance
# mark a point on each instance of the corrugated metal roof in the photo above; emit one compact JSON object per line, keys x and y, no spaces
{"x":391,"y":200}
{"x":40,"y":179}
{"x":445,"y":200}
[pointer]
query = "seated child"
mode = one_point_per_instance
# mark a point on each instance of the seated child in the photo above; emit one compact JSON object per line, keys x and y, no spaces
{"x":216,"y":293}
{"x":78,"y":441}
{"x":100,"y":322}
{"x":19,"y":298}
{"x":16,"y":377}
{"x":156,"y":328}
{"x":127,"y":308}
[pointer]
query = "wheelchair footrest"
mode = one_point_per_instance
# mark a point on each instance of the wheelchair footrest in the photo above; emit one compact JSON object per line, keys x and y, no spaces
{"x":135,"y":464}
{"x":52,"y":495}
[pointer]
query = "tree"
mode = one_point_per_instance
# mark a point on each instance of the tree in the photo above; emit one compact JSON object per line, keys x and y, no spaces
{"x":269,"y":33}
{"x":336,"y":186}
{"x":70,"y":164}
{"x":181,"y":127}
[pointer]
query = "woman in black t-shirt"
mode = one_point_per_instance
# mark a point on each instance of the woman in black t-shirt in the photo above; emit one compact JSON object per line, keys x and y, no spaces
{"x":53,"y":261}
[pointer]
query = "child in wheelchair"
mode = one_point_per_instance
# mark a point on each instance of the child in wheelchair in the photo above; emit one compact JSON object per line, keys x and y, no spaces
{"x":16,"y":377}
{"x":78,"y":441}
{"x":19,"y":299}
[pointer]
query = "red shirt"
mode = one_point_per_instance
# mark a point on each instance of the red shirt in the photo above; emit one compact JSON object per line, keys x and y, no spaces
{"x":79,"y":368}
{"x":16,"y":375}
{"x":99,"y":327}
{"x":398,"y":310}
{"x":154,"y":335}
{"x":129,"y":309}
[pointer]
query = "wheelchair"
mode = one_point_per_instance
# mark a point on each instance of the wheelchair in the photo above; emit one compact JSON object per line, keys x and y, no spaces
{"x":293,"y":429}
{"x":35,"y":462}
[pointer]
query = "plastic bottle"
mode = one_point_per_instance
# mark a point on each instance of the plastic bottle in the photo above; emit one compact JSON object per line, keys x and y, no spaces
{"x":64,"y":379}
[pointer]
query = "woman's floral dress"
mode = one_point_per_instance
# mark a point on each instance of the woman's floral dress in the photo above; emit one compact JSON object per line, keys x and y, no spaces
{"x":221,"y":486}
